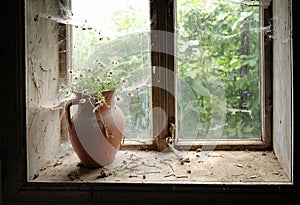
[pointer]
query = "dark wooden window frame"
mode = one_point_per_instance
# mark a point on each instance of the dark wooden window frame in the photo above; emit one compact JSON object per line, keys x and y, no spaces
{"x":15,"y":189}
{"x":163,"y":15}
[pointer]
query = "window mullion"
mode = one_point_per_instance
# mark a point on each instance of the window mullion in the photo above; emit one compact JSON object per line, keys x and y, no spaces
{"x":266,"y":80}
{"x":163,"y":84}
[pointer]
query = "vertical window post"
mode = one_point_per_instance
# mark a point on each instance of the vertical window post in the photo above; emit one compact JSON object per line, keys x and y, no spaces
{"x":163,"y":75}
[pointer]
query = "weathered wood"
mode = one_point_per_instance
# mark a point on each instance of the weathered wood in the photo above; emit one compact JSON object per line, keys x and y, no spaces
{"x":191,"y":167}
{"x":195,"y":144}
{"x":65,"y":53}
{"x":266,"y":76}
{"x":282,"y":84}
{"x":228,"y":145}
{"x":13,"y":126}
{"x":163,"y":75}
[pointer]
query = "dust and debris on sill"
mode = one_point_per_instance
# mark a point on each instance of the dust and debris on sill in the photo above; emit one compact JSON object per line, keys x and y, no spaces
{"x":134,"y":166}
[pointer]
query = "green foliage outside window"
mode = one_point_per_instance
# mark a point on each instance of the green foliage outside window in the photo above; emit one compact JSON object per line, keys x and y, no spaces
{"x":216,"y":39}
{"x":227,"y":47}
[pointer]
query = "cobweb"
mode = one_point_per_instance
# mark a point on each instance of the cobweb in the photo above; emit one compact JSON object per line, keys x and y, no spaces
{"x":95,"y":35}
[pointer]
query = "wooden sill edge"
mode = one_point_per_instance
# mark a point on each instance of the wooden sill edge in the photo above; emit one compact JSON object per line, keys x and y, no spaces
{"x":201,"y":144}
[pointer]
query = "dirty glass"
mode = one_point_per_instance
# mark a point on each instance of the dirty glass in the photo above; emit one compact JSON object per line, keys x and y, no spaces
{"x":115,"y":35}
{"x":219,"y":71}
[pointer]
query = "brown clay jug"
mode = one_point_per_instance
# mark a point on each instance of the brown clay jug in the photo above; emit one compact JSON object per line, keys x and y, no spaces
{"x":95,"y":135}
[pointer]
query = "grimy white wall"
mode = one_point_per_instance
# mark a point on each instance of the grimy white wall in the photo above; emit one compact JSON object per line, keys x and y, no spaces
{"x":282,"y":82}
{"x":42,"y":70}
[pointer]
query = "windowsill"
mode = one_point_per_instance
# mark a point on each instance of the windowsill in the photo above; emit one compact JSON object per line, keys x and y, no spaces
{"x":200,"y":167}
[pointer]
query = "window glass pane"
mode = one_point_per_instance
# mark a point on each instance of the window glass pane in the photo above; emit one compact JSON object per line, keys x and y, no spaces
{"x":219,"y":71}
{"x":116,"y":38}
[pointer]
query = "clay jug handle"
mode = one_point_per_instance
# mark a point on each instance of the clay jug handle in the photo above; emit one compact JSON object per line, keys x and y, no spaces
{"x":68,"y":112}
